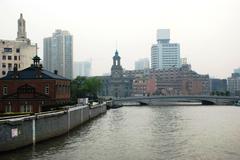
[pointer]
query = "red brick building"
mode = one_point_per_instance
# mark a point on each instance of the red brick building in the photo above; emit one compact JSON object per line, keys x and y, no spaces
{"x":33,"y":89}
{"x":143,"y":86}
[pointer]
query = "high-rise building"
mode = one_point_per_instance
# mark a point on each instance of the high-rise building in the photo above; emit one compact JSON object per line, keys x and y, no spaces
{"x":82,"y":69}
{"x":165,"y":55}
{"x":142,"y":64}
{"x":58,"y":53}
{"x":18,"y":53}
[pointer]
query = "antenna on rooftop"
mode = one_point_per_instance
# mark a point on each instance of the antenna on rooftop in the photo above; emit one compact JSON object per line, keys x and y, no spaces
{"x":36,"y":49}
{"x":116,"y":44}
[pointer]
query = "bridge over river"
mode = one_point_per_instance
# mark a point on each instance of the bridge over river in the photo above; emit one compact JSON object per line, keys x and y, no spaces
{"x":157,"y":100}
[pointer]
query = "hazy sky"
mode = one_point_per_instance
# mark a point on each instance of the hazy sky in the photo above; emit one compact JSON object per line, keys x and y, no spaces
{"x":207,"y":30}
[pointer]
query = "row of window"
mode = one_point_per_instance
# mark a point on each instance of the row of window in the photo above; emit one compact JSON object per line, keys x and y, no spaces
{"x":10,"y":57}
{"x":60,"y":88}
{"x":10,"y":65}
{"x":170,"y":45}
{"x":23,"y":108}
{"x":9,"y":50}
{"x":25,"y":90}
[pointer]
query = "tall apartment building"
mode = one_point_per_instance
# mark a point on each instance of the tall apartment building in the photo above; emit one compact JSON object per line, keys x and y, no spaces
{"x":142,"y":64}
{"x":82,"y":69}
{"x":17,"y":52}
{"x":58,"y":53}
{"x":165,"y":55}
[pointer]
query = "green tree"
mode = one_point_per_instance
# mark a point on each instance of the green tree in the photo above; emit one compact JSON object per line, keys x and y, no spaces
{"x":212,"y":93}
{"x":82,"y":87}
{"x":77,"y":87}
{"x":227,"y":93}
{"x":222,"y":93}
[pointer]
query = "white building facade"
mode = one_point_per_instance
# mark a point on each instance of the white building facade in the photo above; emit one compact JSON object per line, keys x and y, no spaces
{"x":165,"y":55}
{"x":142,"y":64}
{"x":58,"y":53}
{"x":16,"y":53}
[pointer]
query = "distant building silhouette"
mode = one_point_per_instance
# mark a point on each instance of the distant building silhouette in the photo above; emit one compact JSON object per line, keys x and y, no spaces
{"x":142,"y":64}
{"x":82,"y":68}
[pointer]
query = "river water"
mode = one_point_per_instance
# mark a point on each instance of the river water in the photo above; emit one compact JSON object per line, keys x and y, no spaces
{"x":146,"y":133}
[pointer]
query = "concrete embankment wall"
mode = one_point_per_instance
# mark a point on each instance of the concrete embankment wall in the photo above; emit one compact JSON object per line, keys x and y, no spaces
{"x":19,"y":132}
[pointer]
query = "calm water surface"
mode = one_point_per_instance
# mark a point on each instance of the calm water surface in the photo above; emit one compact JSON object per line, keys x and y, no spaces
{"x":146,"y":133}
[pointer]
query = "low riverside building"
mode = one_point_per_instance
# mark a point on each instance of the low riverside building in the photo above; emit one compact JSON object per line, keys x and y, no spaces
{"x":143,"y":86}
{"x":171,"y":81}
{"x":175,"y":81}
{"x":33,"y":89}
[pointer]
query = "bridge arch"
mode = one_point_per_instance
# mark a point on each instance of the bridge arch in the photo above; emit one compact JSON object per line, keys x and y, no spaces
{"x":207,"y":102}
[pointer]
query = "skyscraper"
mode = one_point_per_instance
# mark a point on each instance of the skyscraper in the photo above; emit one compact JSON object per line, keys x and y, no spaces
{"x":16,"y":53}
{"x":142,"y":64}
{"x":58,"y":53}
{"x":165,"y":55}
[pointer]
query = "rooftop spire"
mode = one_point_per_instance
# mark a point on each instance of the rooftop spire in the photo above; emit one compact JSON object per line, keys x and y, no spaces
{"x":36,"y":59}
{"x":116,"y":52}
{"x":21,"y":34}
{"x":36,"y":49}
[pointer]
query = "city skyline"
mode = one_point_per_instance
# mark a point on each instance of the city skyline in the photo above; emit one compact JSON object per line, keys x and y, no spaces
{"x":207,"y":30}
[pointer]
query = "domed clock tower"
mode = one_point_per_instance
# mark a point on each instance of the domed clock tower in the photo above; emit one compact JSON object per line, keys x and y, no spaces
{"x":117,"y":85}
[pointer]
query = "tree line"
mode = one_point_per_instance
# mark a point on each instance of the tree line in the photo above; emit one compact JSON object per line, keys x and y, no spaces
{"x":85,"y":87}
{"x":218,"y":93}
